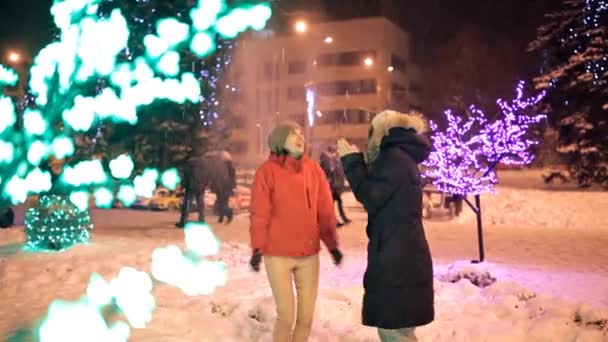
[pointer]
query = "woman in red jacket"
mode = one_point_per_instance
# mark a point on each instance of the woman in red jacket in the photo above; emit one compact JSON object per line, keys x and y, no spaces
{"x":291,"y":212}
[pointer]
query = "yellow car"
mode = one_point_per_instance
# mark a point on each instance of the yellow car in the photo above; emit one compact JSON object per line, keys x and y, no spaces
{"x":164,"y":200}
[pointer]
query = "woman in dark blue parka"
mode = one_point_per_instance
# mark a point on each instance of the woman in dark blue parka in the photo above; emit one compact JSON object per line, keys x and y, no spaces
{"x":398,"y":280}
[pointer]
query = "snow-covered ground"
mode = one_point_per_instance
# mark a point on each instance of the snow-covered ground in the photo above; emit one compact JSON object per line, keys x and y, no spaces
{"x":545,"y":248}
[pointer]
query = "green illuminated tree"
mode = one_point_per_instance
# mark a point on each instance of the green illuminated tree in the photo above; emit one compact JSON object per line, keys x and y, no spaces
{"x":83,"y":80}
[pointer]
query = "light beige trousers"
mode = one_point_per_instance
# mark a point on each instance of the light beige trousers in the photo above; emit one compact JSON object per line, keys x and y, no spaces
{"x":397,"y":335}
{"x":283,"y":273}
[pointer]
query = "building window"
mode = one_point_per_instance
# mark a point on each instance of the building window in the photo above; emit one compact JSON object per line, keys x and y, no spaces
{"x":345,"y":116}
{"x":238,"y":121}
{"x":416,"y":108}
{"x":350,"y":58}
{"x":298,"y":117}
{"x":267,"y":71}
{"x":415,"y":88}
{"x":238,"y":147}
{"x":368,"y":86}
{"x":399,"y":92}
{"x":296,"y":67}
{"x":398,"y":63}
{"x":296,"y":93}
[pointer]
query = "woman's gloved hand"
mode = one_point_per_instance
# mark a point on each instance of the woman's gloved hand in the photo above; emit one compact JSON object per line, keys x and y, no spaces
{"x":336,"y":255}
{"x":255,"y":260}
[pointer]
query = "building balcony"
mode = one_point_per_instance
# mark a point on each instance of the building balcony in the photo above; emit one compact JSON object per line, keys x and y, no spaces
{"x":335,"y":131}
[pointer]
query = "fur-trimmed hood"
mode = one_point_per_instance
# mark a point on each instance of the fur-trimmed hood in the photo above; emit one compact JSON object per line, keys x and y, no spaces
{"x":385,"y":121}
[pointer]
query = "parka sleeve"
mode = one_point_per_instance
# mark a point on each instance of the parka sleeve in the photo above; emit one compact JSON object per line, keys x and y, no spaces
{"x":326,"y":215}
{"x":373,"y":188}
{"x":260,"y":209}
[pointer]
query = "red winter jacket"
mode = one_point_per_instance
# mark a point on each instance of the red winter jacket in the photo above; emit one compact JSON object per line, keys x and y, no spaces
{"x":291,"y":208}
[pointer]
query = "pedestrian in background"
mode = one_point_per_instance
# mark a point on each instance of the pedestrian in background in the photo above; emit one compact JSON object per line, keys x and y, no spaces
{"x":332,"y":166}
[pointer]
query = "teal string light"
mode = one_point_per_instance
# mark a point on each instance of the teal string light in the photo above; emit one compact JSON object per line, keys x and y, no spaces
{"x":89,"y":48}
{"x":56,"y":224}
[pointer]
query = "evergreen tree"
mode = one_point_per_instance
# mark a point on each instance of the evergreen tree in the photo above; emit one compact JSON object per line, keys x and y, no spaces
{"x":574,"y":46}
{"x":167,"y":130}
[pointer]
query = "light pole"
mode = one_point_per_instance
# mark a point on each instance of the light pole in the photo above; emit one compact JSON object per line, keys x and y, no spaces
{"x":13,"y":57}
{"x":20,"y":63}
{"x":310,"y":113}
{"x":301,"y":26}
{"x":260,"y":139}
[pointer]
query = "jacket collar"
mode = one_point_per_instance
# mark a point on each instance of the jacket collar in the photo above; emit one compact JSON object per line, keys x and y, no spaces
{"x":288,"y":162}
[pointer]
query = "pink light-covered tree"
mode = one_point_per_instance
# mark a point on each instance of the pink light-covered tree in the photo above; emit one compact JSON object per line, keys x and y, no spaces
{"x":455,"y":165}
{"x":507,"y":140}
{"x":466,"y":153}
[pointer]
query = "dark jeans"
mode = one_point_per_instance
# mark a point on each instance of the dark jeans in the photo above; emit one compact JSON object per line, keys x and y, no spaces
{"x":223,"y":209}
{"x":338,"y":198}
{"x":189,"y":197}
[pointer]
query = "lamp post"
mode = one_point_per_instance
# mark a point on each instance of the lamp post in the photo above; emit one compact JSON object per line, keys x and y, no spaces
{"x":20,"y":63}
{"x":311,"y":109}
{"x":13,"y":57}
{"x":260,"y":139}
{"x":301,"y":26}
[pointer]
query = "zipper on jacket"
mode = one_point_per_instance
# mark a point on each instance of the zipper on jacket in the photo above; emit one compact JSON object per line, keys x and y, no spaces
{"x":308,"y":198}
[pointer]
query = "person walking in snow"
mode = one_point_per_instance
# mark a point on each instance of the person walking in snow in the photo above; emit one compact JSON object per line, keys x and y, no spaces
{"x":332,"y":166}
{"x":398,"y":280}
{"x":224,"y":187}
{"x":291,"y":211}
{"x":194,"y":182}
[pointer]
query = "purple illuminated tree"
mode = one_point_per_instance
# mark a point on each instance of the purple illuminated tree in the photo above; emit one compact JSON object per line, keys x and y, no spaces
{"x":455,"y":165}
{"x":466,"y":153}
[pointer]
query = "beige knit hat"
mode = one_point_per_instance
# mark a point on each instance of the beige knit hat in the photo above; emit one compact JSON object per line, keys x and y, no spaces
{"x":278,"y":136}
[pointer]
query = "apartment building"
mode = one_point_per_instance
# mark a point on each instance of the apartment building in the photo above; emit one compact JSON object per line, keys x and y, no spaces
{"x":330,"y":77}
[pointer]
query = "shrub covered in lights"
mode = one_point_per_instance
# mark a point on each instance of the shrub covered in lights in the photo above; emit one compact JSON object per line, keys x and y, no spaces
{"x":56,"y":224}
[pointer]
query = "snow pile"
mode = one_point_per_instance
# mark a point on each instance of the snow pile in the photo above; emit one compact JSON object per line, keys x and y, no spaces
{"x":539,"y":208}
{"x":504,"y":311}
{"x":243,"y":309}
{"x":478,"y":274}
{"x":546,"y":282}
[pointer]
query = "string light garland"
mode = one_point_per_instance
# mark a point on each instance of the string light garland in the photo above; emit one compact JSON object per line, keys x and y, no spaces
{"x":56,"y":224}
{"x":89,"y":49}
{"x":465,"y":154}
{"x":574,"y":72}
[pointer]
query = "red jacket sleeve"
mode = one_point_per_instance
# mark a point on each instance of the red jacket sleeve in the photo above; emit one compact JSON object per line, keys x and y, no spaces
{"x":326,"y":214}
{"x":260,"y":209}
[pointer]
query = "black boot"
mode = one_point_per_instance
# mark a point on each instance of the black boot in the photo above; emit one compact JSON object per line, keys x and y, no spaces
{"x":230,"y":216}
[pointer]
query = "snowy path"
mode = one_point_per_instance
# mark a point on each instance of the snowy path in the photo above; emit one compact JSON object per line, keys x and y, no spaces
{"x":561,"y":252}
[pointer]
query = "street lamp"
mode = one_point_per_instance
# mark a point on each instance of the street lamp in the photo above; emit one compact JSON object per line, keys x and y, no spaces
{"x":14,"y":57}
{"x":301,"y":26}
{"x":368,"y":61}
{"x":329,"y":40}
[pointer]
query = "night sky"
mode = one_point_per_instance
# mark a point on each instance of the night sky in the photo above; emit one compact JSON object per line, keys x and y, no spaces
{"x":440,"y":28}
{"x":27,"y":23}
